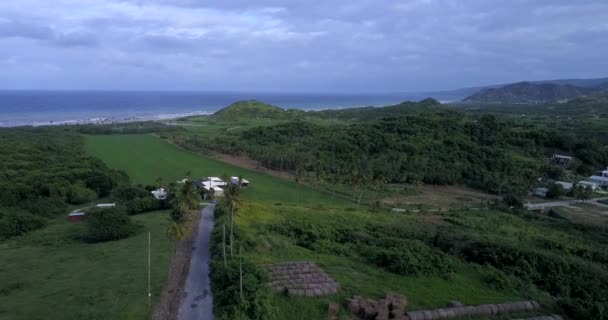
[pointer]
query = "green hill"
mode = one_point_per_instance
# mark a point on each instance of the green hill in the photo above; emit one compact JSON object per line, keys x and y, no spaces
{"x":253,"y":109}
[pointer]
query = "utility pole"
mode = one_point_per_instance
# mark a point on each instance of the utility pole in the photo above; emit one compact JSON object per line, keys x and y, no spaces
{"x":241,"y":272}
{"x":149,"y":290}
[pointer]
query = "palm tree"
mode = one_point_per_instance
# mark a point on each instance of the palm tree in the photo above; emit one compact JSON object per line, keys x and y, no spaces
{"x":159,"y":182}
{"x":299,"y":172}
{"x":187,"y":197}
{"x":233,"y":201}
{"x":188,"y":174}
{"x":176,"y":231}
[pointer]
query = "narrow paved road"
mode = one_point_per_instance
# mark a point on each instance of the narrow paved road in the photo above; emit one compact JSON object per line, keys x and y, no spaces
{"x":197,"y":303}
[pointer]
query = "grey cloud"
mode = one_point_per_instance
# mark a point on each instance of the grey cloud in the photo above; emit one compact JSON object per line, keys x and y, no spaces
{"x":24,"y":30}
{"x":346,"y":45}
{"x":76,"y":39}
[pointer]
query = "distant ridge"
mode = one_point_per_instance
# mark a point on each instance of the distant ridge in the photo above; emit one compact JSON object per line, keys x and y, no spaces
{"x":537,"y":92}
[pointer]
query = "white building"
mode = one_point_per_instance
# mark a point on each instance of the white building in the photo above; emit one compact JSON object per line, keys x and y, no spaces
{"x":235,"y":181}
{"x":587,"y":184}
{"x":159,"y":194}
{"x":565,"y":185}
{"x":605,"y":173}
{"x":601,"y":181}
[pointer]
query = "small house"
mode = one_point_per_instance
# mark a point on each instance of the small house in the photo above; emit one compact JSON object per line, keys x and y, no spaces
{"x":541,"y":192}
{"x":562,"y":160}
{"x":588,"y":184}
{"x":76,"y":216}
{"x":159,"y":194}
{"x":565,"y":185}
{"x":605,"y":173}
{"x":601,"y":181}
{"x":235,"y":181}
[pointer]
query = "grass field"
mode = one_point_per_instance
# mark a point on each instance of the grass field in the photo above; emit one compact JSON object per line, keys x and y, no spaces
{"x":49,"y":274}
{"x":271,"y":201}
{"x":146,"y":157}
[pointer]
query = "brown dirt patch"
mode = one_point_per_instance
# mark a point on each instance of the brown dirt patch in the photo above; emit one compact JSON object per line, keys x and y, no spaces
{"x":243,"y":162}
{"x":442,"y":197}
{"x":170,"y":298}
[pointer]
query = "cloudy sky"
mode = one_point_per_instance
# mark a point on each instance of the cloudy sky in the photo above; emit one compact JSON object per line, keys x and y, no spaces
{"x":298,"y":45}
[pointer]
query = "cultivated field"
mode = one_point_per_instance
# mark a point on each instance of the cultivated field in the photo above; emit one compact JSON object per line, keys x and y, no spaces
{"x":146,"y":157}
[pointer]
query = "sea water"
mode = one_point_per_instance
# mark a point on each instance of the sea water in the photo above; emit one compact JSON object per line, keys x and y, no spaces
{"x":66,"y":107}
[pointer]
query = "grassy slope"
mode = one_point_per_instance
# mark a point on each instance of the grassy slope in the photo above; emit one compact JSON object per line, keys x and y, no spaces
{"x":355,"y":276}
{"x":146,"y":157}
{"x":49,"y":275}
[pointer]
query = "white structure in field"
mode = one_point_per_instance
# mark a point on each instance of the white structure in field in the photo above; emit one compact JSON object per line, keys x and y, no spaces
{"x":235,"y":181}
{"x":605,"y":173}
{"x":159,"y":194}
{"x":106,"y":205}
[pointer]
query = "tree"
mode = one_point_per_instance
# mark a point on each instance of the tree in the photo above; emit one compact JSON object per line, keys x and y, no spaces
{"x":176,"y":231}
{"x":555,"y":191}
{"x":107,"y":224}
{"x":186,"y":197}
{"x":159,"y":182}
{"x":232,"y":200}
{"x":582,"y":193}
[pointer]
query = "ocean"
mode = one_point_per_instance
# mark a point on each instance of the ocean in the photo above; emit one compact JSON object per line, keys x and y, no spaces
{"x":70,"y":107}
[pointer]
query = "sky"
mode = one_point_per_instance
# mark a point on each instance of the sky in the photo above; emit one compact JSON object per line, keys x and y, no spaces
{"x":298,"y":45}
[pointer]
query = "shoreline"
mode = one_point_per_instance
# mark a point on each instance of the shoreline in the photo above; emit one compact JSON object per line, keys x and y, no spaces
{"x":104,"y":120}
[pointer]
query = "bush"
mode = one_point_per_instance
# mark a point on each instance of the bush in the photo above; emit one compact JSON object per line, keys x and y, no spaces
{"x":256,"y":302}
{"x":409,"y":257}
{"x":140,"y":205}
{"x":45,"y":207}
{"x":78,"y":194}
{"x":107,"y":224}
{"x":14,"y":223}
{"x":126,"y":193}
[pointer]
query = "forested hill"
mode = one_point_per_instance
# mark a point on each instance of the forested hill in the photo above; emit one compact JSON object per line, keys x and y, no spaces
{"x":369,"y":113}
{"x":440,"y":147}
{"x":253,"y":109}
{"x":526,"y":92}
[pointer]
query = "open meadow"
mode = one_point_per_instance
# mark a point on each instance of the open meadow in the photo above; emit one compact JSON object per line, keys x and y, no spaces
{"x":52,"y":274}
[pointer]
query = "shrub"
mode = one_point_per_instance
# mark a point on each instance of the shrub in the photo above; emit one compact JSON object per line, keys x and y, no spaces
{"x":78,"y":194}
{"x":410,"y":257}
{"x":126,"y":193}
{"x":107,"y":224}
{"x":15,"y":222}
{"x":256,"y":302}
{"x":45,"y":207}
{"x":140,"y":205}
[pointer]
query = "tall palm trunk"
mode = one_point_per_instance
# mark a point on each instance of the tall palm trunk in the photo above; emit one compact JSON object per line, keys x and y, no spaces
{"x":231,"y":230}
{"x":224,"y":241}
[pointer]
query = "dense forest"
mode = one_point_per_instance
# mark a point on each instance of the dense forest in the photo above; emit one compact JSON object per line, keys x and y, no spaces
{"x":497,"y":154}
{"x":43,"y":172}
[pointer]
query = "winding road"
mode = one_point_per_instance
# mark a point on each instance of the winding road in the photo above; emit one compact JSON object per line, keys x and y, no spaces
{"x":197,"y":303}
